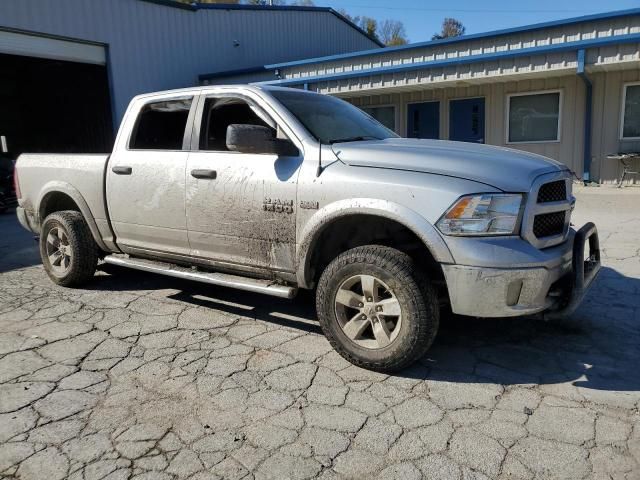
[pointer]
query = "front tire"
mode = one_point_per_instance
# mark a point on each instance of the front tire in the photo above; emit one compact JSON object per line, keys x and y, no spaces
{"x":377,"y":310}
{"x":68,"y":251}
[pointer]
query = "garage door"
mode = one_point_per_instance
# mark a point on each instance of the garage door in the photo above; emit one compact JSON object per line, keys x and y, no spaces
{"x":16,"y":43}
{"x":54,"y":95}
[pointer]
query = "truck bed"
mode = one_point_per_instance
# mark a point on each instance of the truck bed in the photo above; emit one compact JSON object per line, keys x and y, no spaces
{"x":80,"y":176}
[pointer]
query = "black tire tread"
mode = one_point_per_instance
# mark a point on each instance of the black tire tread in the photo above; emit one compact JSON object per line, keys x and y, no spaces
{"x":425,"y":303}
{"x":85,"y":255}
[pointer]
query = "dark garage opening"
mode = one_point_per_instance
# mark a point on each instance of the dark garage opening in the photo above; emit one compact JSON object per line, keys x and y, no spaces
{"x":54,"y":106}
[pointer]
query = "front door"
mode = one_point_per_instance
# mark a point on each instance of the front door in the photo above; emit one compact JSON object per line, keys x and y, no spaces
{"x":466,"y":120}
{"x":241,"y":208}
{"x":423,"y":120}
{"x":146,"y":180}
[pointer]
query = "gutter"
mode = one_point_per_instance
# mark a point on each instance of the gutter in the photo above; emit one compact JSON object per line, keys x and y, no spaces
{"x":586,"y":175}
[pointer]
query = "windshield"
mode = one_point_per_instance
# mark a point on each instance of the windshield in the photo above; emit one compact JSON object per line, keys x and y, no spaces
{"x":331,"y":120}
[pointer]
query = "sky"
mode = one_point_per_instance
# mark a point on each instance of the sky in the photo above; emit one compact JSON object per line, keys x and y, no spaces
{"x":422,"y":18}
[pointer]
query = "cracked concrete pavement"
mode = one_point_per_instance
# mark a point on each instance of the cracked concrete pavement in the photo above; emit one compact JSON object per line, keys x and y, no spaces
{"x":141,"y":376}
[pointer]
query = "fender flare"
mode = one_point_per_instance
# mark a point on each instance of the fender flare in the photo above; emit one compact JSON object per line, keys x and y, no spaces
{"x":57,"y":186}
{"x":412,"y":220}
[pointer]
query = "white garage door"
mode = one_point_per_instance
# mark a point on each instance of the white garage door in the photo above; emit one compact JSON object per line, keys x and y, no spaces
{"x":15,"y":43}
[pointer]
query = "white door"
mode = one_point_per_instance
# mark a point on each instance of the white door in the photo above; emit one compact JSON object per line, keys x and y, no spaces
{"x":240,"y":207}
{"x":146,"y":181}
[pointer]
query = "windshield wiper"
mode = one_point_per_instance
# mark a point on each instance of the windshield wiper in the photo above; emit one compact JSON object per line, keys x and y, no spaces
{"x":353,"y":139}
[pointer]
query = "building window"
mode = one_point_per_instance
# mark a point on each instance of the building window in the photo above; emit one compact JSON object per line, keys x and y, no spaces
{"x":630,"y":129}
{"x":534,"y":117}
{"x":385,"y":115}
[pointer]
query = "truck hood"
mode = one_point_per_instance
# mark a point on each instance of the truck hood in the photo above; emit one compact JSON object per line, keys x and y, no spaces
{"x":503,"y":168}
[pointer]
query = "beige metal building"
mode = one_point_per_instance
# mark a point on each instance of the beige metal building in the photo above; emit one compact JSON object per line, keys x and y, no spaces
{"x":568,"y":89}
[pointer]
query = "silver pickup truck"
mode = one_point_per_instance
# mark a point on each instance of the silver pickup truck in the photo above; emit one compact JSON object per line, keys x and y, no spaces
{"x":271,"y":190}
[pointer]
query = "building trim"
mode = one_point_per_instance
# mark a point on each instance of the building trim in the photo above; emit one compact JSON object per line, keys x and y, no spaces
{"x":509,"y":96}
{"x":621,"y":136}
{"x":231,"y":73}
{"x":484,"y":57}
{"x":464,"y":38}
{"x":195,"y":6}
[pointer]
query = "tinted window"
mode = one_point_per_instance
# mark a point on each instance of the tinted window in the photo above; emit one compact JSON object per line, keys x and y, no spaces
{"x":161,"y":125}
{"x":219,"y":113}
{"x":631,"y":119}
{"x":534,"y":118}
{"x":330,"y":119}
{"x":385,"y":115}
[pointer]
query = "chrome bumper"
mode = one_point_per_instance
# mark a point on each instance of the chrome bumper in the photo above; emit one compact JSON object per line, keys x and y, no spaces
{"x":509,"y":292}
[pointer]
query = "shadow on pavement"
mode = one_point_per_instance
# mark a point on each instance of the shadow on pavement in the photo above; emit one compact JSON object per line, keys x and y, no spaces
{"x":598,"y":350}
{"x":18,"y":249}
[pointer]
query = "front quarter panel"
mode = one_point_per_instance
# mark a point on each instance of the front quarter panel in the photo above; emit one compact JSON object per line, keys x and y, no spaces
{"x":416,"y":200}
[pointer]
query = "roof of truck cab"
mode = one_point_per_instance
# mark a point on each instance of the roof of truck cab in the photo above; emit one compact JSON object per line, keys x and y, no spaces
{"x":206,"y":88}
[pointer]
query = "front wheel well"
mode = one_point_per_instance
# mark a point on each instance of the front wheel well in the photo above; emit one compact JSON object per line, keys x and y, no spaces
{"x":358,"y":230}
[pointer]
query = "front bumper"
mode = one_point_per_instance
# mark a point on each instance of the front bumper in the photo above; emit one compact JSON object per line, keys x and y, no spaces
{"x":556,"y":287}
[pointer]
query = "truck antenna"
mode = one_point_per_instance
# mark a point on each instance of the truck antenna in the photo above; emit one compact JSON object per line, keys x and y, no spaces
{"x":319,"y":170}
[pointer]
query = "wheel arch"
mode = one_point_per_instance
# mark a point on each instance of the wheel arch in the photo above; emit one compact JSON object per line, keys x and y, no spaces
{"x":353,"y":210}
{"x":57,"y":196}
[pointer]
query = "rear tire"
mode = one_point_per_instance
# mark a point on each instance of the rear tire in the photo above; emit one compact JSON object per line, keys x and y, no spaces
{"x":68,"y":251}
{"x":385,"y":330}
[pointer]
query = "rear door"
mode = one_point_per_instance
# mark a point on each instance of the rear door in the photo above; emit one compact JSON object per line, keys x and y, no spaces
{"x":146,"y":179}
{"x":466,"y":120}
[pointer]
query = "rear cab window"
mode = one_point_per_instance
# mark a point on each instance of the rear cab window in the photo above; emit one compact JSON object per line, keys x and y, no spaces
{"x":161,"y":125}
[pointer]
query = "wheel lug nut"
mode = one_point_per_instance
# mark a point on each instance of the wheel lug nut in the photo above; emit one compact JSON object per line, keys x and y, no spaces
{"x":361,"y":304}
{"x":369,"y":299}
{"x":378,"y":308}
{"x":364,"y":317}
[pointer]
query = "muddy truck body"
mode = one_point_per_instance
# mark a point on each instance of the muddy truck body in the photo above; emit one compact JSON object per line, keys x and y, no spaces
{"x":273,"y":190}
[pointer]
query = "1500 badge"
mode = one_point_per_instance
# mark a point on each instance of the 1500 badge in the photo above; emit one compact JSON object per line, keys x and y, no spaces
{"x":277,"y":205}
{"x":309,"y":204}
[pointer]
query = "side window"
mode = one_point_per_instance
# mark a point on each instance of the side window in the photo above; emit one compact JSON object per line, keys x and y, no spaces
{"x":221,"y":112}
{"x":161,"y":125}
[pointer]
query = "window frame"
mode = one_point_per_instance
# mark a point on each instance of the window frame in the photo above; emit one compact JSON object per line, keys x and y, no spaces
{"x":621,"y":136}
{"x":186,"y":139}
{"x":199,"y":116}
{"x":558,"y":139}
{"x":384,"y":105}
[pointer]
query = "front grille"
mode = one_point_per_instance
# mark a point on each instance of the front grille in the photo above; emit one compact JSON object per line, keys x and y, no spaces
{"x":553,"y":192}
{"x":549,"y":224}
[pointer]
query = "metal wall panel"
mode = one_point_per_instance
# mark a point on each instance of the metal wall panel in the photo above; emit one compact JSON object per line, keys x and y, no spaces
{"x":155,"y":47}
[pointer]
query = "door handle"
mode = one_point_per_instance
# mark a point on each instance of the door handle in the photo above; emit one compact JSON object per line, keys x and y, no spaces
{"x":210,"y":174}
{"x":122,"y":170}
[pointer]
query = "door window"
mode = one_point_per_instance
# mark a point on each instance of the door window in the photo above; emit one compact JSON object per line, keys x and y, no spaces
{"x":221,"y":112}
{"x":161,"y":125}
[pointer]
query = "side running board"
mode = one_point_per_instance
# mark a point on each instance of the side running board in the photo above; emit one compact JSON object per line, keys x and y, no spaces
{"x":221,"y":279}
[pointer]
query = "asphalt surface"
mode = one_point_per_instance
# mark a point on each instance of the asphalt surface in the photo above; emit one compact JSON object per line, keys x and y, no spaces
{"x":142,"y":376}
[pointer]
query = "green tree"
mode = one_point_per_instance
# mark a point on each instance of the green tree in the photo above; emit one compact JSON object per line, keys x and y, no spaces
{"x":450,"y":28}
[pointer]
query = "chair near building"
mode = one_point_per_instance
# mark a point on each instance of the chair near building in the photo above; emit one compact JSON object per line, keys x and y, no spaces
{"x":626,"y":162}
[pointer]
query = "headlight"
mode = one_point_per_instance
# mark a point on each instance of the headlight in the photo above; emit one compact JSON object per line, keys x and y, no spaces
{"x":484,"y":214}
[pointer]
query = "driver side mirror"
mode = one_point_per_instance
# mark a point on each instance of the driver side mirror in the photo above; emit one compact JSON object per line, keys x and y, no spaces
{"x":257,"y":139}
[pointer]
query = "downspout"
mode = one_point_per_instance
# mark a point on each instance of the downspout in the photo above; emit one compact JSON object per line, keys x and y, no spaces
{"x":586,"y":176}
